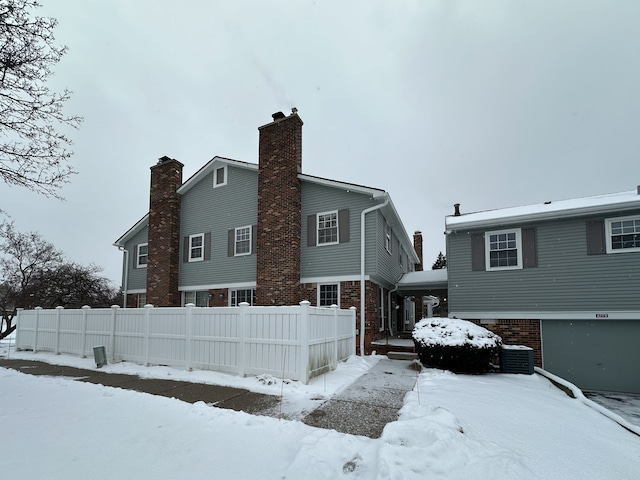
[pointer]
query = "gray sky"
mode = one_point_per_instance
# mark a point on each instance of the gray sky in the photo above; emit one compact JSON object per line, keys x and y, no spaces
{"x":487,"y":103}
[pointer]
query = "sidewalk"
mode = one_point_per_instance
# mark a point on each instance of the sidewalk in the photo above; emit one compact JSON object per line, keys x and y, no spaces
{"x":363,"y":408}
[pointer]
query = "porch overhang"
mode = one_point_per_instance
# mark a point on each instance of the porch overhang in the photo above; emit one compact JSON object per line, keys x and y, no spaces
{"x":427,"y":282}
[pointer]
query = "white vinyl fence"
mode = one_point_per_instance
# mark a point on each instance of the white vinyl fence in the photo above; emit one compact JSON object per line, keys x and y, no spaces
{"x":300,"y":342}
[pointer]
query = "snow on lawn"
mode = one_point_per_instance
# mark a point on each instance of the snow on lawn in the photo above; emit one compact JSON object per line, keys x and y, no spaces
{"x":494,"y":426}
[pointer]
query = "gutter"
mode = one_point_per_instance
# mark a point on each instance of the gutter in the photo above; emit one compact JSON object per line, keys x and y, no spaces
{"x":362,"y":260}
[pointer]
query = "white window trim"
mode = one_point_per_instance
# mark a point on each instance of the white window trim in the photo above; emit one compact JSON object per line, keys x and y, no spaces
{"x":487,"y":251}
{"x":215,"y":176}
{"x":200,"y":258}
{"x":388,"y":235}
{"x":318,"y":293}
{"x":608,"y":234}
{"x":318,"y":228}
{"x":235,"y":290}
{"x":235,"y":241}
{"x":138,"y":264}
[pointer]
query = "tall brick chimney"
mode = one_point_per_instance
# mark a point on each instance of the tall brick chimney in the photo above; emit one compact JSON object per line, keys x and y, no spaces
{"x":417,"y":246}
{"x":279,"y":211}
{"x":164,"y":234}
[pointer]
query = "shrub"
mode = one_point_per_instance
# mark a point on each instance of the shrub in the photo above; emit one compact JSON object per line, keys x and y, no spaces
{"x":453,"y":344}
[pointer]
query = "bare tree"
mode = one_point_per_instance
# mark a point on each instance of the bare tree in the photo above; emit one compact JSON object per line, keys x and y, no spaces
{"x":33,"y":152}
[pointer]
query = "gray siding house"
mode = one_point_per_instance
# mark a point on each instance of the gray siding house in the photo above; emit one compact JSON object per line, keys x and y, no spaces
{"x":344,"y":243}
{"x":561,"y":277}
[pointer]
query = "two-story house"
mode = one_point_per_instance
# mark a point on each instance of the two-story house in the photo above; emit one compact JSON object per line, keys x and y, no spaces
{"x":562,"y":277}
{"x":267,"y":234}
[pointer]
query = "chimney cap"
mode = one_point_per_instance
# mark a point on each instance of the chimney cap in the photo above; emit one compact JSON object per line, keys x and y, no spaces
{"x":278,"y":116}
{"x":417,"y":232}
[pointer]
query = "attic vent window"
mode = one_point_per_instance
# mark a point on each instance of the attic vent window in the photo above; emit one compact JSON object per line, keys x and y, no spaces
{"x":220,"y":176}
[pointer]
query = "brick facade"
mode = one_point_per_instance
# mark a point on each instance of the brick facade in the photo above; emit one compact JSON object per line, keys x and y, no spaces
{"x":518,"y":332}
{"x":164,"y":234}
{"x":279,"y":206}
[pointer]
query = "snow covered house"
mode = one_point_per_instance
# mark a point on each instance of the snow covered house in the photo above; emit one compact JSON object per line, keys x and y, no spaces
{"x":268,"y":234}
{"x":561,"y":277}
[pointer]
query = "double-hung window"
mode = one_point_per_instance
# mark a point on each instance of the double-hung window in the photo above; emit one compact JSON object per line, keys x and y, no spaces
{"x":387,"y":238}
{"x":242,"y":243}
{"x":328,"y":294}
{"x":196,"y":247}
{"x":242,"y":295}
{"x":503,"y":249}
{"x":142,"y":255}
{"x":327,"y":228}
{"x":623,"y":234}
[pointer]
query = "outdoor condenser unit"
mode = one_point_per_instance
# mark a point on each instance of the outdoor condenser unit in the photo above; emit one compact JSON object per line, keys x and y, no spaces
{"x":516,"y":359}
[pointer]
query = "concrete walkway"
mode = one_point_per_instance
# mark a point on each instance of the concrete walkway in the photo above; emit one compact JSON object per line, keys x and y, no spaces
{"x":363,"y":408}
{"x":369,"y":403}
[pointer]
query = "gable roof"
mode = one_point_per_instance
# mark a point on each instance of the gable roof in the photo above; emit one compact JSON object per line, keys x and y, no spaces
{"x":600,"y":204}
{"x":139,"y":225}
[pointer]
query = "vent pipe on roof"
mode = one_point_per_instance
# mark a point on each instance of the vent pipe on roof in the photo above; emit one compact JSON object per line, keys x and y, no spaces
{"x":456,"y":209}
{"x":638,"y":187}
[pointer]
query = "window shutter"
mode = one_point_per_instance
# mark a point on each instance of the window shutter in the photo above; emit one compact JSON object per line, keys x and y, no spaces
{"x":477,"y":252}
{"x":595,"y":237}
{"x":207,"y":246}
{"x":529,"y":248}
{"x":254,"y":238}
{"x":135,"y":256}
{"x":343,"y":225}
{"x":311,"y":231}
{"x":231,"y":242}
{"x":185,"y":249}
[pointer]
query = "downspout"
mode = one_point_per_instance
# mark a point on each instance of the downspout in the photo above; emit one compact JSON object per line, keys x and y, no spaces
{"x":125,"y":280}
{"x":362,"y":259}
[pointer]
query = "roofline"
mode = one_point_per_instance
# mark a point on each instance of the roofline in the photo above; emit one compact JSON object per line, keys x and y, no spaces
{"x":208,"y":167}
{"x":621,"y":206}
{"x":374,"y":192}
{"x":120,"y":241}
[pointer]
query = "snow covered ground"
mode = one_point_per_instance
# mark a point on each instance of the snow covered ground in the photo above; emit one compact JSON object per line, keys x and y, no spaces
{"x":451,"y":427}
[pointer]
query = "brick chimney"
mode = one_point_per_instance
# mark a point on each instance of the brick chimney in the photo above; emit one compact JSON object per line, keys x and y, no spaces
{"x":164,"y":234}
{"x":279,"y":211}
{"x":417,"y":246}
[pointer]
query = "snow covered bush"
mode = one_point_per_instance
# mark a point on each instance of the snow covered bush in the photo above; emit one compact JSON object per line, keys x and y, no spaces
{"x":453,"y":344}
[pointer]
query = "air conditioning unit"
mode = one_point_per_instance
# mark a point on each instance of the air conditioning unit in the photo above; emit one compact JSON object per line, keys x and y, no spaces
{"x":516,"y":359}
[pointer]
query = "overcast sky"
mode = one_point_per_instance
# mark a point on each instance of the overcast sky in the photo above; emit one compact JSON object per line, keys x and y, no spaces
{"x":486,"y":103}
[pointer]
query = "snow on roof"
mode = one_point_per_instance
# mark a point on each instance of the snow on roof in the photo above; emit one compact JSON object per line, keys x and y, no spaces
{"x":617,"y":202}
{"x":424,"y":278}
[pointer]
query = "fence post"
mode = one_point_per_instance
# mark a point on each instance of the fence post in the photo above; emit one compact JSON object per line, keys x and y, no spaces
{"x":243,"y":318}
{"x":147,"y":327}
{"x":304,"y":341}
{"x":189,"y":311}
{"x":353,"y":328}
{"x":112,"y":339}
{"x":35,"y":335}
{"x":335,"y":337}
{"x":59,"y":309}
{"x":85,"y":310}
{"x":18,"y":334}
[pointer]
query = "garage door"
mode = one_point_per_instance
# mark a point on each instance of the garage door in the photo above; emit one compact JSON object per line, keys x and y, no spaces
{"x":594,"y":355}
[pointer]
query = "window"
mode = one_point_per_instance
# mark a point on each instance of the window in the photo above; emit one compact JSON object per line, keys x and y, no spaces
{"x":623,"y":235}
{"x":199,"y":298}
{"x":196,"y":247}
{"x":220,"y":176}
{"x":243,"y":295}
{"x":328,"y":294}
{"x":387,"y":238}
{"x":503,"y":249}
{"x":327,"y":228}
{"x":141,"y":300}
{"x":142,"y":255}
{"x":242,"y":241}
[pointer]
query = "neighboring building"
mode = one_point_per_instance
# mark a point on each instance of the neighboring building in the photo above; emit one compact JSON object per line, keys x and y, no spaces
{"x":269,"y":235}
{"x":561,"y":277}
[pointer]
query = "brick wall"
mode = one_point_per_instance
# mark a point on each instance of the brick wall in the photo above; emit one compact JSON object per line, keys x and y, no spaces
{"x":164,"y":234}
{"x":279,"y":212}
{"x":518,"y":332}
